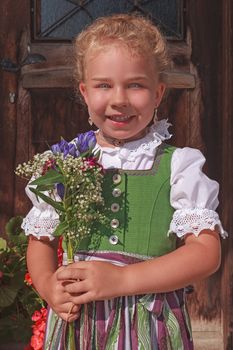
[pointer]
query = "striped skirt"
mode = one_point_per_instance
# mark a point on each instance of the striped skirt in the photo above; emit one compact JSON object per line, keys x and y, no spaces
{"x":146,"y":322}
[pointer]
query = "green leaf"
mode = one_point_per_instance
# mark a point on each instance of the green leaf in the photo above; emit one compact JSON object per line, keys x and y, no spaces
{"x":3,"y":244}
{"x":54,"y":204}
{"x":43,"y":188}
{"x":86,"y":154}
{"x":13,"y":227}
{"x":61,"y":228}
{"x":7,"y":295}
{"x":20,"y":241}
{"x":15,"y":328}
{"x":18,"y":280}
{"x":50,"y":178}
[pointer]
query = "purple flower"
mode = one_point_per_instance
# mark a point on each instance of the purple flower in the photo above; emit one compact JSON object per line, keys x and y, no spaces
{"x":82,"y":143}
{"x":61,"y":147}
{"x":73,"y":151}
{"x":85,"y":141}
{"x":66,"y":148}
{"x":60,"y":190}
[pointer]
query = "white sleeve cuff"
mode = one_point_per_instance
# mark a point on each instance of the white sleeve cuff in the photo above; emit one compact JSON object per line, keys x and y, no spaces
{"x":40,"y":224}
{"x":195,"y":220}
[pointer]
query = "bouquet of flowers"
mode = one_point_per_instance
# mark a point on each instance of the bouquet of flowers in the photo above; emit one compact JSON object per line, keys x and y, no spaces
{"x":69,"y":178}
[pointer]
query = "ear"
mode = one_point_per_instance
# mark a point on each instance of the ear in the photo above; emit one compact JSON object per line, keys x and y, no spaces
{"x":159,"y":93}
{"x":83,"y":91}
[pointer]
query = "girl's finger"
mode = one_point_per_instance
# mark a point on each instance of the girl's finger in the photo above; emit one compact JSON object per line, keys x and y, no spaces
{"x":78,"y":287}
{"x":68,"y":307}
{"x":69,"y":318}
{"x":84,"y":298}
{"x":71,"y":274}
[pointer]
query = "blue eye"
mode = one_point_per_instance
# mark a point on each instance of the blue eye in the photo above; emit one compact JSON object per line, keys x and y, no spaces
{"x":135,"y":85}
{"x":103,"y":86}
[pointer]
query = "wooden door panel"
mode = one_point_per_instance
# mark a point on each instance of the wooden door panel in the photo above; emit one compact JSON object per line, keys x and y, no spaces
{"x":56,"y":113}
{"x":11,"y":27}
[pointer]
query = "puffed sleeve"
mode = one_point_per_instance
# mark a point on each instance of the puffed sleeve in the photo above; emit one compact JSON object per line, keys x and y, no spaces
{"x":42,"y":219}
{"x":193,"y":195}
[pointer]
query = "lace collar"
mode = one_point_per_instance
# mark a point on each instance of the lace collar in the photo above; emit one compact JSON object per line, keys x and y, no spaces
{"x":147,"y":145}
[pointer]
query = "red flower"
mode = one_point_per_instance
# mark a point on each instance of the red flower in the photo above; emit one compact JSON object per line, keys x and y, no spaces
{"x":39,"y":326}
{"x":60,"y":252}
{"x":38,"y":329}
{"x":44,"y":312}
{"x":37,"y":342}
{"x":92,"y":161}
{"x":27,"y":279}
{"x":49,"y":164}
{"x":28,"y":347}
{"x":1,"y":274}
{"x":36,"y":316}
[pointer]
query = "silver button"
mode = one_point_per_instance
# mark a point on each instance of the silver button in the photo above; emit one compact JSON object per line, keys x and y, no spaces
{"x":115,"y":223}
{"x":113,"y":239}
{"x":116,"y":192}
{"x":116,"y":178}
{"x":115,"y":207}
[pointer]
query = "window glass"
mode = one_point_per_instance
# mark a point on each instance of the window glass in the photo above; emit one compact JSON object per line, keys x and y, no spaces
{"x":64,"y":19}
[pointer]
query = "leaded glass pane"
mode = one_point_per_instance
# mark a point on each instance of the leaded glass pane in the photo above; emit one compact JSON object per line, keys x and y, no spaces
{"x":64,"y":19}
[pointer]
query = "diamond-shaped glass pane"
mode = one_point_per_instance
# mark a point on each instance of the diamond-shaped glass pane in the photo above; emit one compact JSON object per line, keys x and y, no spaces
{"x":64,"y":19}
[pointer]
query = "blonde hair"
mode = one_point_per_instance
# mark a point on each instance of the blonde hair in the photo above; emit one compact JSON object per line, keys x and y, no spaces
{"x":137,"y":33}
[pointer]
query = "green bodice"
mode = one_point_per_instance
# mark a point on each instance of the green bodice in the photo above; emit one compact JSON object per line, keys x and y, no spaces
{"x":139,"y":208}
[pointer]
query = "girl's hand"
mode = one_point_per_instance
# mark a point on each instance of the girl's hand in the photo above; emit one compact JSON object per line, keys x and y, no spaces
{"x":42,"y":266}
{"x":59,"y":299}
{"x":197,"y":259}
{"x":95,"y":280}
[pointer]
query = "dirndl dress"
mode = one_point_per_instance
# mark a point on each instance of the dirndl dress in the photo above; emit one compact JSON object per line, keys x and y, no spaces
{"x":153,"y":321}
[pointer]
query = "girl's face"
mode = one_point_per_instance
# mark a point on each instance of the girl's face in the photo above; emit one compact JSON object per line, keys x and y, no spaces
{"x":121,"y":91}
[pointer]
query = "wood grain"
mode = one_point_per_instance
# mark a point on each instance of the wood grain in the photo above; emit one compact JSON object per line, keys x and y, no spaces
{"x":11,"y":27}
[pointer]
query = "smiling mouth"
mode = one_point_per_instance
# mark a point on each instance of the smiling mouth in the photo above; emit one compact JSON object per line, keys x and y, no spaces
{"x":120,"y":118}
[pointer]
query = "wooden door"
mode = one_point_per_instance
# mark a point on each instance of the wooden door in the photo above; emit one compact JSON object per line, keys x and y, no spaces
{"x":38,"y":105}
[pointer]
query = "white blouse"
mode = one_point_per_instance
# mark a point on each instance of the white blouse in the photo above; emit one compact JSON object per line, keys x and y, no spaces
{"x":193,"y":195}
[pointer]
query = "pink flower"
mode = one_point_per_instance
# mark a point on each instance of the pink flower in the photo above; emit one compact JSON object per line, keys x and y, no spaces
{"x":44,"y":312}
{"x":38,"y":329}
{"x":39,"y":326}
{"x":37,"y":342}
{"x":36,"y":316}
{"x":35,"y":331}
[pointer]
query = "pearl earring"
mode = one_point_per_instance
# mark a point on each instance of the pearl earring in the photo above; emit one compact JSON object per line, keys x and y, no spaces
{"x":90,"y":121}
{"x":155,"y":116}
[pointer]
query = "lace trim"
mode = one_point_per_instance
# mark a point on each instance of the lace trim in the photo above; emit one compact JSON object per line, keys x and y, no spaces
{"x":43,"y":227}
{"x":194,"y":221}
{"x":157,"y":134}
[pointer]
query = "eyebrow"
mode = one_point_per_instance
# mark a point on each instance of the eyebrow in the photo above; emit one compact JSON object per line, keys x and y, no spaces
{"x":140,"y":77}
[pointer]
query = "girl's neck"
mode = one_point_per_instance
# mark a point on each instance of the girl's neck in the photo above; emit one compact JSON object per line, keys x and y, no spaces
{"x":107,"y":141}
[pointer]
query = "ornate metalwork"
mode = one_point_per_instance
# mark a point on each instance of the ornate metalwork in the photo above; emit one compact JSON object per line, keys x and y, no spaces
{"x":64,"y":19}
{"x":32,"y":58}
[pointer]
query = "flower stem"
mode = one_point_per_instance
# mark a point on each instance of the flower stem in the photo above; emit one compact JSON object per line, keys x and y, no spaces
{"x":71,"y":327}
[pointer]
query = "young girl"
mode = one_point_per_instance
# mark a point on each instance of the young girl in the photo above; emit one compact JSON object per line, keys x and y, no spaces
{"x":129,"y":292}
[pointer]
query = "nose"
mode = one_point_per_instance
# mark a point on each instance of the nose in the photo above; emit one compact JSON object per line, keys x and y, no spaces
{"x":119,"y":97}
